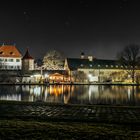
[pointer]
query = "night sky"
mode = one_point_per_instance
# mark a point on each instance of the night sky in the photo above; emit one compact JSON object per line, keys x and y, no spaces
{"x":97,"y":27}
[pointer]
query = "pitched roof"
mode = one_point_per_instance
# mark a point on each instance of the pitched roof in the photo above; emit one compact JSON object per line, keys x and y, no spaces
{"x":9,"y":51}
{"x":55,"y":74}
{"x":75,"y":63}
{"x":27,"y":55}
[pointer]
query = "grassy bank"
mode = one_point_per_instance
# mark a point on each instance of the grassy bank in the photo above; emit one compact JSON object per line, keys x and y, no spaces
{"x":17,"y":122}
{"x":15,"y":129}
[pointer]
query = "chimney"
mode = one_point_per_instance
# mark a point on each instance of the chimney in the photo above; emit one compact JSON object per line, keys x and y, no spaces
{"x":90,"y":58}
{"x":82,"y":55}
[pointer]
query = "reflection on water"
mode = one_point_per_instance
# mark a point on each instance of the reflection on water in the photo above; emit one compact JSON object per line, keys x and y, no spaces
{"x":76,"y":94}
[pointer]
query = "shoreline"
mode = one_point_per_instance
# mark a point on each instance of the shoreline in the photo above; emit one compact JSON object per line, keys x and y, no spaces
{"x":8,"y":102}
{"x":47,"y":84}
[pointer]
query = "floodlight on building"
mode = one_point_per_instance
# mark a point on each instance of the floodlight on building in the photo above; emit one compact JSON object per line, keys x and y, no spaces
{"x":89,"y":75}
{"x":46,"y":75}
{"x":37,"y":75}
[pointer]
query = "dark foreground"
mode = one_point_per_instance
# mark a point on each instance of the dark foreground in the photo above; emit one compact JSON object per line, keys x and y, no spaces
{"x":19,"y":120}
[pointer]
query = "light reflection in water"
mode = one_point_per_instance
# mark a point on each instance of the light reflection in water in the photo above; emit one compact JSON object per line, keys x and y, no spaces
{"x":94,"y":94}
{"x":11,"y":97}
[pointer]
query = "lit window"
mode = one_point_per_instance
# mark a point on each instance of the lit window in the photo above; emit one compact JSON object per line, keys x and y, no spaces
{"x":82,"y":65}
{"x":99,"y":65}
{"x":90,"y":65}
{"x":116,"y":66}
{"x":111,"y":66}
{"x":106,"y":65}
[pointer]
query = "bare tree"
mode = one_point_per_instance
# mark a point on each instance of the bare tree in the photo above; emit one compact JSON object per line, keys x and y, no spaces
{"x":53,"y":60}
{"x":129,"y":58}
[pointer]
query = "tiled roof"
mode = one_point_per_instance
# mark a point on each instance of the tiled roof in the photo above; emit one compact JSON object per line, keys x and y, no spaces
{"x":9,"y":51}
{"x":75,"y":63}
{"x":27,"y":55}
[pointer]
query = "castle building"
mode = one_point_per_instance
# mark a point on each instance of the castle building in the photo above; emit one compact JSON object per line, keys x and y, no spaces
{"x":96,"y":70}
{"x":10,"y":58}
{"x":27,"y":62}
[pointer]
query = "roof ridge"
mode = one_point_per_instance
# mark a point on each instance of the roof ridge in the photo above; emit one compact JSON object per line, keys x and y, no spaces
{"x":27,"y":55}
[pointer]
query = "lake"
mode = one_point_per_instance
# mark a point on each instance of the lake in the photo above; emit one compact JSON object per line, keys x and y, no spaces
{"x":73,"y":94}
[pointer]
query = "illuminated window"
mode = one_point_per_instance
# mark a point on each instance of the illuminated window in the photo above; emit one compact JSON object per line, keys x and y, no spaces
{"x":106,"y":65}
{"x":90,"y":65}
{"x":99,"y":65}
{"x":111,"y":66}
{"x":116,"y":66}
{"x":82,"y":65}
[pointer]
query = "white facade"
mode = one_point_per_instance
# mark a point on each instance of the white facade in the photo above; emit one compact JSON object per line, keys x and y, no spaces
{"x":10,"y":58}
{"x":10,"y":63}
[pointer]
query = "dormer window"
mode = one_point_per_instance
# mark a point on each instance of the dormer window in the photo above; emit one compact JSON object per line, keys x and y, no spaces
{"x":106,"y":65}
{"x":11,"y":53}
{"x":82,"y":65}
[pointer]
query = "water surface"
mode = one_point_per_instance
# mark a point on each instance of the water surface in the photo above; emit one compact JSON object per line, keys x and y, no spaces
{"x":75,"y":94}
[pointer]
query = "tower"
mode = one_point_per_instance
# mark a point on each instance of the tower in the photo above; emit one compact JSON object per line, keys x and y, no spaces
{"x":82,"y":55}
{"x":27,"y":62}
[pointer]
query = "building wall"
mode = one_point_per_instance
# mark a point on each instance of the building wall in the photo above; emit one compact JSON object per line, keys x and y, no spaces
{"x":10,"y":63}
{"x":105,"y":75}
{"x":28,"y":64}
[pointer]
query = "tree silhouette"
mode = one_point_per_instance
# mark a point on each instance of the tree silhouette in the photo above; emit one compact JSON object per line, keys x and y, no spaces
{"x":129,"y":58}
